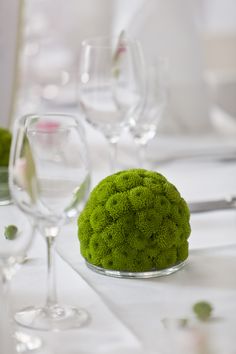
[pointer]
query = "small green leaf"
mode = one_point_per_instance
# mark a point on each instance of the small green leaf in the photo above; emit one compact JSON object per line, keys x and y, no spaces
{"x":203,"y":310}
{"x":10,"y":232}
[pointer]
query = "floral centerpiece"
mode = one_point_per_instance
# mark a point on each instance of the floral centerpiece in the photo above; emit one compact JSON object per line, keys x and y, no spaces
{"x":134,"y":221}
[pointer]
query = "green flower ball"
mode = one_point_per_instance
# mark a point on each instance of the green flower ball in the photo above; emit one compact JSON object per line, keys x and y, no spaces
{"x":136,"y":221}
{"x":5,"y":144}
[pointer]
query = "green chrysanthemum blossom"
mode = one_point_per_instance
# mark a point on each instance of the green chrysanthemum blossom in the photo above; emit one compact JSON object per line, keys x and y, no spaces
{"x":166,"y":258}
{"x":99,"y":218}
{"x":118,"y":205}
{"x":136,"y":221}
{"x":5,"y":144}
{"x":103,"y":192}
{"x":98,"y":249}
{"x":137,"y":241}
{"x":182,"y":251}
{"x":116,"y":228}
{"x":148,"y":221}
{"x":126,"y":181}
{"x":167,"y":235}
{"x":161,"y":202}
{"x":171,"y":192}
{"x":108,"y":262}
{"x":141,"y":198}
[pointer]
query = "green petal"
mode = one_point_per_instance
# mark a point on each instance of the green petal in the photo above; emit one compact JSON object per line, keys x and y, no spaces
{"x":182,"y":252}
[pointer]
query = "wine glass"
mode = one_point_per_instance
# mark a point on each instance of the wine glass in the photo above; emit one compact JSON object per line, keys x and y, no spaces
{"x":49,"y":179}
{"x":16,"y":235}
{"x":144,"y":123}
{"x":111,"y":85}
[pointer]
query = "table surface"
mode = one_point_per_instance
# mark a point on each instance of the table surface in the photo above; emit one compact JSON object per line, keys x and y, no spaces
{"x":126,"y":315}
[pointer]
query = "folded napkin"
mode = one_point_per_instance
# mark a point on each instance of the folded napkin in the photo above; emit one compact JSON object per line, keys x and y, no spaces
{"x":212,"y":230}
{"x":170,"y":148}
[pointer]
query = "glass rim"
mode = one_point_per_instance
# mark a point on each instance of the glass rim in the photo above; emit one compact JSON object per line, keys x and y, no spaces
{"x":48,"y":115}
{"x":73,"y":119}
{"x":106,"y":41}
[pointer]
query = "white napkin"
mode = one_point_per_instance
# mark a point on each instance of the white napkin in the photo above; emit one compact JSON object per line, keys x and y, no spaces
{"x":171,"y":148}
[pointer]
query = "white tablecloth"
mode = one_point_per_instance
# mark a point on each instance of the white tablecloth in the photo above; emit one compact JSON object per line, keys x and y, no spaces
{"x":127,"y":314}
{"x":104,"y":331}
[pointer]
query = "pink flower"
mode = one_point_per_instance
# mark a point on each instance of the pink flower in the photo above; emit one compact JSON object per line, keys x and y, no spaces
{"x":119,"y":51}
{"x":47,"y":126}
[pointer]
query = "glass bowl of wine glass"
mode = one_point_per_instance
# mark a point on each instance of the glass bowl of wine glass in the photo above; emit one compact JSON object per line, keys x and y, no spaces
{"x":49,"y":179}
{"x":145,"y":122}
{"x":111,"y":85}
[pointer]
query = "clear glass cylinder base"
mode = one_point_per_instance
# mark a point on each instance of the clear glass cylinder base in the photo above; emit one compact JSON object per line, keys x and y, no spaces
{"x":137,"y":275}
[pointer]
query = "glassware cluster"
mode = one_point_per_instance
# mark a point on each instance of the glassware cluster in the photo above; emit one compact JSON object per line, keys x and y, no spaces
{"x":49,"y":172}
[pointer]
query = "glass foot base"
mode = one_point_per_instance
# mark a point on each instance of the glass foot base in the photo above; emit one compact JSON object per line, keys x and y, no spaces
{"x":54,"y":318}
{"x":137,"y":275}
{"x":25,"y":343}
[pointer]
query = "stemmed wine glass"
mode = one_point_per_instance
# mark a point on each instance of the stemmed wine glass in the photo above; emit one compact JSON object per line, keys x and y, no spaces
{"x":145,"y":121}
{"x":16,"y":235}
{"x":111,"y":85}
{"x":49,"y":180}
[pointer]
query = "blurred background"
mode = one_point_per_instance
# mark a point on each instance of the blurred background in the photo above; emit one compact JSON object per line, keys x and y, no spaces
{"x":197,"y":36}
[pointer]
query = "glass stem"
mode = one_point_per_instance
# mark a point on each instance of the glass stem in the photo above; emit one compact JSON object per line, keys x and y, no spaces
{"x":6,"y":292}
{"x":113,"y":156}
{"x":51,"y":299}
{"x":5,"y":322}
{"x":142,"y":155}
